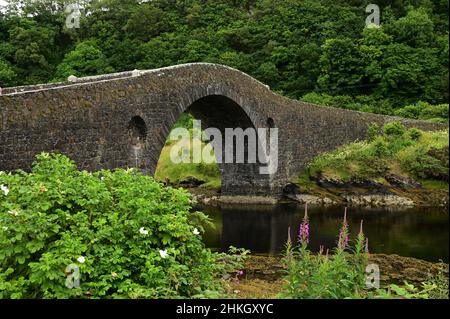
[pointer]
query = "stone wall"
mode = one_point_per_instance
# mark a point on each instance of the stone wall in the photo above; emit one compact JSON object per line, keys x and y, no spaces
{"x":91,"y":121}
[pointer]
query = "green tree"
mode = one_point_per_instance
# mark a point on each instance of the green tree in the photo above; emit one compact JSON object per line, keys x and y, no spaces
{"x":35,"y":50}
{"x":415,"y":29}
{"x":145,"y":22}
{"x":7,"y":74}
{"x":86,"y":59}
{"x":341,"y":69}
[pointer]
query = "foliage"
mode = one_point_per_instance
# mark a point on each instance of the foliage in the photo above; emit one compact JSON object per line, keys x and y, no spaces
{"x":407,"y":152}
{"x":85,"y":59}
{"x":342,"y":273}
{"x":394,"y":129}
{"x":373,"y":131}
{"x":169,"y":172}
{"x":425,"y":111}
{"x":7,"y":74}
{"x":440,"y":283}
{"x":435,"y":287}
{"x":336,"y":275}
{"x":129,"y":236}
{"x":420,"y":110}
{"x":319,"y":50}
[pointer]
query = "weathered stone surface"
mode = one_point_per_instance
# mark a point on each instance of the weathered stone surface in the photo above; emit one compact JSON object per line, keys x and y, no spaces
{"x":338,"y":183}
{"x":401,"y":181}
{"x":314,"y":200}
{"x":97,"y":121}
{"x":378,"y":200}
{"x":191,"y":182}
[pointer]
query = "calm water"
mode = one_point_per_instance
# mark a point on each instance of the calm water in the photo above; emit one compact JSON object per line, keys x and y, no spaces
{"x":420,"y":232}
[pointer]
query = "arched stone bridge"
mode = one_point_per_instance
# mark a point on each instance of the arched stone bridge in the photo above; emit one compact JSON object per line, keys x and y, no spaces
{"x":123,"y":120}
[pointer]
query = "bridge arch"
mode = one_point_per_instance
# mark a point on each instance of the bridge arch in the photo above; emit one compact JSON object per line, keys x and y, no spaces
{"x":222,"y":113}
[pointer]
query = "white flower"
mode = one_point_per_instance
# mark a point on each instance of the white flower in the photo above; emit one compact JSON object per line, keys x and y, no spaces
{"x":81,"y":259}
{"x":143,"y":231}
{"x":4,"y":189}
{"x":196,"y":232}
{"x":14,"y":213}
{"x":163,"y":253}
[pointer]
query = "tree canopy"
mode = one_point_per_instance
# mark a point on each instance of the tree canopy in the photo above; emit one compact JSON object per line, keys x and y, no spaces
{"x":314,"y":50}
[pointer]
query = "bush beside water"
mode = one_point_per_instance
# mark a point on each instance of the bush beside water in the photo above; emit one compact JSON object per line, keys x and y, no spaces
{"x":392,"y":149}
{"x":341,"y":273}
{"x":129,"y":236}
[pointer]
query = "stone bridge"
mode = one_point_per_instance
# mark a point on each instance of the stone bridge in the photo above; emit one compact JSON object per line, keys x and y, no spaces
{"x":123,"y":120}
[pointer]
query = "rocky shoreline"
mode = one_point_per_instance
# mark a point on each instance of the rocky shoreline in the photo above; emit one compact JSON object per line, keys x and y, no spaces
{"x":399,"y":193}
{"x":396,"y":191}
{"x":264,"y":274}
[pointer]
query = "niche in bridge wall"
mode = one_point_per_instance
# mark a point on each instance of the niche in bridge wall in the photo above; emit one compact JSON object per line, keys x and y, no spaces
{"x":137,"y":134}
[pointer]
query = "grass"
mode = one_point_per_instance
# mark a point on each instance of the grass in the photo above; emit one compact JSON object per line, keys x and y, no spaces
{"x":175,"y":173}
{"x":409,"y":153}
{"x":434,"y":185}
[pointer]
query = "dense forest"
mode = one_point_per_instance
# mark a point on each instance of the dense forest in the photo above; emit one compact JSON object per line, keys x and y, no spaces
{"x":319,"y":51}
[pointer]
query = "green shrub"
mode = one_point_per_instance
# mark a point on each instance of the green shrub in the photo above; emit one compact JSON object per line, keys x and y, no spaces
{"x":425,"y":111}
{"x":414,"y":134}
{"x":439,"y":283}
{"x":318,"y":98}
{"x":342,"y":273}
{"x":380,"y":148}
{"x":412,"y":153}
{"x":410,"y":111}
{"x":394,"y":129}
{"x":336,"y":275}
{"x":435,"y":287}
{"x":127,"y":235}
{"x":425,"y":163}
{"x":373,"y":131}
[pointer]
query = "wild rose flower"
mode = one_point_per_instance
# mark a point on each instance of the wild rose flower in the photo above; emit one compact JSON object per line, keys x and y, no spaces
{"x":163,"y":253}
{"x":4,"y":189}
{"x":143,"y":231}
{"x":196,"y":232}
{"x":14,"y":213}
{"x":81,"y":259}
